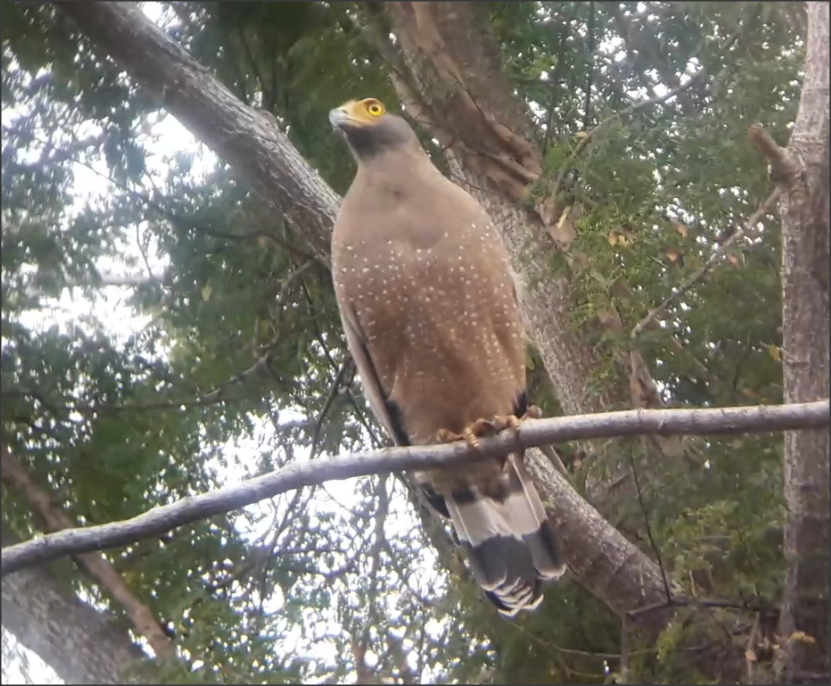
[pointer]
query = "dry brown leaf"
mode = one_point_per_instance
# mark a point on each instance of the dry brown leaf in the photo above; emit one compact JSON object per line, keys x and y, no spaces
{"x":681,"y":228}
{"x":675,"y":256}
{"x":565,"y":232}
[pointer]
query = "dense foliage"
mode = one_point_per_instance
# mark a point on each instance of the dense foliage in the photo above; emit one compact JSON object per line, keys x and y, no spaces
{"x":163,"y":333}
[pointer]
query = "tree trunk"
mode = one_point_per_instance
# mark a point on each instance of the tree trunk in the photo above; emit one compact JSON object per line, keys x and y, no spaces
{"x":82,"y":645}
{"x":804,"y":623}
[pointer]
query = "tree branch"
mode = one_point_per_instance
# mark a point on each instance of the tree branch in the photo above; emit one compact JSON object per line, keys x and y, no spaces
{"x":142,"y":618}
{"x":240,"y":135}
{"x":533,"y":433}
{"x":721,"y":249}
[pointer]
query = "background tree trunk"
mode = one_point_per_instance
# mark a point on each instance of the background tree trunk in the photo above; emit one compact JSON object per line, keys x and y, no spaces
{"x":82,"y":645}
{"x":805,"y":323}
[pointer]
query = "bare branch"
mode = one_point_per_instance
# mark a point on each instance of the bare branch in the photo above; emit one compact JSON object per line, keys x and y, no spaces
{"x":533,"y":433}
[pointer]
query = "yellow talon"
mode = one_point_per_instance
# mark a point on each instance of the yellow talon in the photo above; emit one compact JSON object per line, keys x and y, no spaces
{"x":485,"y":427}
{"x":470,"y":437}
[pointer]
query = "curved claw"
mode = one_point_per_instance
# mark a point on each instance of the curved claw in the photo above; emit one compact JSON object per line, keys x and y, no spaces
{"x":488,"y":427}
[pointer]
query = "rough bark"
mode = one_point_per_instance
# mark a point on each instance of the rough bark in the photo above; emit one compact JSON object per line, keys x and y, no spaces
{"x":82,"y":645}
{"x":804,"y":624}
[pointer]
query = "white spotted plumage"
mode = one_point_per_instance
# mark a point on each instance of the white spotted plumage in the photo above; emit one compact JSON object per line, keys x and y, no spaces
{"x":429,"y":308}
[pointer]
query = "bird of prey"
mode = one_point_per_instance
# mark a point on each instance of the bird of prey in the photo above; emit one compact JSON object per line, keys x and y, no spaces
{"x":429,"y":307}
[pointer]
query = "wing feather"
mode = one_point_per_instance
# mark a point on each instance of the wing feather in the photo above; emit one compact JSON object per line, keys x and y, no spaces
{"x":385,"y":409}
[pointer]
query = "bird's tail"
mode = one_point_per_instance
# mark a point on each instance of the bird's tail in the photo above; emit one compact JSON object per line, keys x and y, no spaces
{"x":508,"y":538}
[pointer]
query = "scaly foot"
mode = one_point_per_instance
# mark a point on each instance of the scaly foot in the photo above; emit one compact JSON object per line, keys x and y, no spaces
{"x":471,"y":433}
{"x":488,"y":427}
{"x":512,"y":422}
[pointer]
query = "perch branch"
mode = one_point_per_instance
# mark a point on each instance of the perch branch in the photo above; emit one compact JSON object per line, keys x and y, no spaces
{"x":532,"y":433}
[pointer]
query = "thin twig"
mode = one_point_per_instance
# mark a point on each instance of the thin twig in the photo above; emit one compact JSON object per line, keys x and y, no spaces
{"x":327,"y":405}
{"x":717,"y":254}
{"x":532,"y":433}
{"x":658,"y":557}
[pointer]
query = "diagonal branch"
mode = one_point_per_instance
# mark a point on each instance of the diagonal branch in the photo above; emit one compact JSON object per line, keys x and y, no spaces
{"x":722,"y":249}
{"x":238,"y":134}
{"x":533,"y":433}
{"x":144,"y":622}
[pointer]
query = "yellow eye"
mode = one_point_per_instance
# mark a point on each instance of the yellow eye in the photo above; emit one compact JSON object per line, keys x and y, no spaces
{"x":374,"y":108}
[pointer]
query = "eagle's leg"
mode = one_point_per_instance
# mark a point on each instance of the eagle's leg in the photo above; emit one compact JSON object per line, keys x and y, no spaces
{"x":488,"y":427}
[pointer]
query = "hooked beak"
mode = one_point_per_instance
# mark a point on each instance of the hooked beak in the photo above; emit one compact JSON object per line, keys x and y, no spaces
{"x":339,"y":117}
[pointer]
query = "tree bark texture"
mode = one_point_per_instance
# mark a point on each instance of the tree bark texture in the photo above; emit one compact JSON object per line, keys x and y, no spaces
{"x":82,"y":645}
{"x":804,"y":622}
{"x":253,"y":145}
